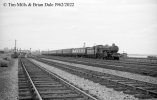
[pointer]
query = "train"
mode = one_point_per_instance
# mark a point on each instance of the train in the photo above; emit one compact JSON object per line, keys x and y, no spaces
{"x":98,"y":52}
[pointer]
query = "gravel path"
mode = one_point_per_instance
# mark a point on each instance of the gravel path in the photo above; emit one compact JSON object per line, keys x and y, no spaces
{"x":9,"y":81}
{"x":102,"y":92}
{"x":139,"y":77}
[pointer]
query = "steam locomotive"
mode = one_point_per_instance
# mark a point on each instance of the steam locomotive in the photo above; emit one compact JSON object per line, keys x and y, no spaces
{"x":98,"y":51}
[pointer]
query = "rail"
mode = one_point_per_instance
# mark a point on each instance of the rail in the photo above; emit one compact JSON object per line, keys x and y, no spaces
{"x":86,"y":94}
{"x":36,"y":91}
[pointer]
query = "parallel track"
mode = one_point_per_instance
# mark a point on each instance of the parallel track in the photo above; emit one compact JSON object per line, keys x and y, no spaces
{"x":135,"y":61}
{"x":41,"y":84}
{"x":139,"y":89}
{"x":116,"y":65}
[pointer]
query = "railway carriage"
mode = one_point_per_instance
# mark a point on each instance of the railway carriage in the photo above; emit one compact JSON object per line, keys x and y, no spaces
{"x":67,"y":52}
{"x":90,"y":52}
{"x":59,"y":52}
{"x":44,"y":52}
{"x":79,"y":52}
{"x":52,"y":52}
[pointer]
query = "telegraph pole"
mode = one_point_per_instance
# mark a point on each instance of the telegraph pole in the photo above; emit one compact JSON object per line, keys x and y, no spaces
{"x":15,"y":55}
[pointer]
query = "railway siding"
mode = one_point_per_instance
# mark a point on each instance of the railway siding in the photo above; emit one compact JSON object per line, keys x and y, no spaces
{"x":101,"y":91}
{"x":129,"y":75}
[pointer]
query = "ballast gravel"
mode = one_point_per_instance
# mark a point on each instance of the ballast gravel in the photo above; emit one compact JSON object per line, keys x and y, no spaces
{"x":129,"y":75}
{"x":96,"y":89}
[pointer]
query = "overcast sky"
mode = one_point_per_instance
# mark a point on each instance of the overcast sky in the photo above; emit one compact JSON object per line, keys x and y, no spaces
{"x":130,"y":24}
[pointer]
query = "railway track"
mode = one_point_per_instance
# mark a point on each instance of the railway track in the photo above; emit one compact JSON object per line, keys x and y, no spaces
{"x":123,"y":61}
{"x":38,"y":83}
{"x":133,"y":68}
{"x":139,"y":89}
